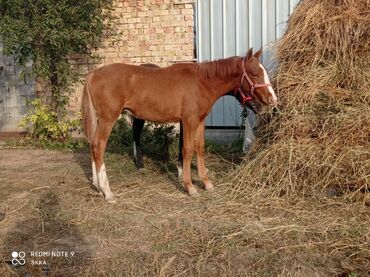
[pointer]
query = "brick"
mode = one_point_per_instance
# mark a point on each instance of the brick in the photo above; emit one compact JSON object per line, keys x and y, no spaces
{"x":168,"y":30}
{"x":160,"y":12}
{"x":165,"y":24}
{"x":142,"y":14}
{"x":180,"y":18}
{"x":187,"y":11}
{"x":189,"y":24}
{"x":157,"y":47}
{"x":179,"y":29}
{"x":166,"y":18}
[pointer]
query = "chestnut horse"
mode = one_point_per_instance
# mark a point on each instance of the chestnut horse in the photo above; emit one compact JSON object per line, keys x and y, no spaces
{"x":180,"y":92}
{"x":138,"y":125}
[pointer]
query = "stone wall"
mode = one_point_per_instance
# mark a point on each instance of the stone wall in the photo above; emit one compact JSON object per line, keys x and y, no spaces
{"x":15,"y":90}
{"x":149,"y":31}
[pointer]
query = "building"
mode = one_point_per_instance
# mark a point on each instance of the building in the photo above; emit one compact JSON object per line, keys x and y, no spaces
{"x":164,"y":32}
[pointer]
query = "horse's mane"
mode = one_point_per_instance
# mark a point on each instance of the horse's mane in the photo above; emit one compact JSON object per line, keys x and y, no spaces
{"x":218,"y":69}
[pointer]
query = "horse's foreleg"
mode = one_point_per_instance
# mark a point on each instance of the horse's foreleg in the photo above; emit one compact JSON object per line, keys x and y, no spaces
{"x":180,"y":158}
{"x":199,"y":148}
{"x":137,"y":127}
{"x":99,"y":144}
{"x":187,"y":150}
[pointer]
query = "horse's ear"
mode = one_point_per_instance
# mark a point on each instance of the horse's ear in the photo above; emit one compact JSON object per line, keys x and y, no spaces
{"x":258,"y":54}
{"x":249,"y":54}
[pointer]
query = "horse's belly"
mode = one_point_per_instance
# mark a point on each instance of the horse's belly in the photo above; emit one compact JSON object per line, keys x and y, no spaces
{"x":163,"y":106}
{"x":156,"y":115}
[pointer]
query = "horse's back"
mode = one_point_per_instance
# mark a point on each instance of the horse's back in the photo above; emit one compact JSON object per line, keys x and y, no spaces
{"x":156,"y":94}
{"x":115,"y":70}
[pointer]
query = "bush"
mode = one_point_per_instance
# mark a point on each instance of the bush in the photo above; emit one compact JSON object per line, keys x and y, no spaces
{"x":155,"y":139}
{"x":42,"y":123}
{"x":121,"y":136}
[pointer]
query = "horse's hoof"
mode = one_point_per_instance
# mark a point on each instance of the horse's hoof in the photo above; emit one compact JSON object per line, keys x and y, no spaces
{"x":210,"y":188}
{"x":111,"y":200}
{"x":142,"y":169}
{"x":193,"y":193}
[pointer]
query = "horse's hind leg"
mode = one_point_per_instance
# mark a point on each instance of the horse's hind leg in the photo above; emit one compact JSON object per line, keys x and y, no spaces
{"x":199,"y":148}
{"x":137,"y":127}
{"x":180,"y":157}
{"x":99,"y":143}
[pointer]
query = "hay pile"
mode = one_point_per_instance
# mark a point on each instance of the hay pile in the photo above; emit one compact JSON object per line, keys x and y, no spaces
{"x":319,"y":137}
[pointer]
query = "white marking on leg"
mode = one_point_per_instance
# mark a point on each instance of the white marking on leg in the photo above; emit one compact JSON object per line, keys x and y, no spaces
{"x":273,"y":98}
{"x":179,"y":171}
{"x":208,"y":186}
{"x":95,"y":176}
{"x":135,"y":151}
{"x":104,"y":184}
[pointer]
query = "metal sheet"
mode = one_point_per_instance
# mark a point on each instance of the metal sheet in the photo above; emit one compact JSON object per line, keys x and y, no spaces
{"x":228,"y":28}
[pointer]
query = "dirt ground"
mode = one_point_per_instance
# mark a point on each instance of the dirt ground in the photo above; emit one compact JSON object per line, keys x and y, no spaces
{"x":48,"y":208}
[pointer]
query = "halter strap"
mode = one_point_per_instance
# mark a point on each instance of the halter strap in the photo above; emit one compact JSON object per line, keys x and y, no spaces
{"x":249,"y":96}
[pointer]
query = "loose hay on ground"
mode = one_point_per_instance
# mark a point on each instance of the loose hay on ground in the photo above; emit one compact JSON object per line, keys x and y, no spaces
{"x":155,"y":229}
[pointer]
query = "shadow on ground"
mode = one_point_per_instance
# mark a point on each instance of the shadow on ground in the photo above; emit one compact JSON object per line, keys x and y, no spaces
{"x":114,"y":157}
{"x":52,"y":246}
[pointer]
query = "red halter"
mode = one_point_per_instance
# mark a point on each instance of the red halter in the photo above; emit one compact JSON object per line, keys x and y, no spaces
{"x":247,"y":97}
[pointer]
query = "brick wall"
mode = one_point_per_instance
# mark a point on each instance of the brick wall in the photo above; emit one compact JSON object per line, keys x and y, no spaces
{"x":149,"y":31}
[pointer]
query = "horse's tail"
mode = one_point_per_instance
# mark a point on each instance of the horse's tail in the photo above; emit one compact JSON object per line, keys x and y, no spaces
{"x":88,"y":112}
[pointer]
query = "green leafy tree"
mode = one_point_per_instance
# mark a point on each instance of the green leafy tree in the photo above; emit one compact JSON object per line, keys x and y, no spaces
{"x":48,"y":32}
